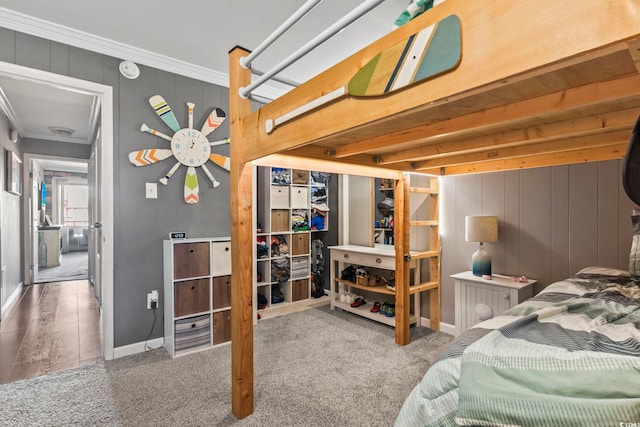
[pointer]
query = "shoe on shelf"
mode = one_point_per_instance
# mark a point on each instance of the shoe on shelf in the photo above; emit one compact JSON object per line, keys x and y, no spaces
{"x":376,"y":307}
{"x":391,"y":311}
{"x":358,"y":302}
{"x":384,"y":308}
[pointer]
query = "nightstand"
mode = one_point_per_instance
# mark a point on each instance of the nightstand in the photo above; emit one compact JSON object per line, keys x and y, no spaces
{"x":478,"y":299}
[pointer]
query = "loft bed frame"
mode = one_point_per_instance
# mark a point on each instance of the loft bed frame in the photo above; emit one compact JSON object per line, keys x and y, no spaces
{"x":538,"y":84}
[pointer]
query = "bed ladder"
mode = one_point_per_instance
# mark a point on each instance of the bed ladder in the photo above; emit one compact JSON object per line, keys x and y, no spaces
{"x":424,"y":240}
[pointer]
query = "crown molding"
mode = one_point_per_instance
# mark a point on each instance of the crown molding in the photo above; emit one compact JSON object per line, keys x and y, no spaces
{"x":51,"y":31}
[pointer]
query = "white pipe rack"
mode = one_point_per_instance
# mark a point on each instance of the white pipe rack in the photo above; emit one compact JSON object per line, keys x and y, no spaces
{"x":283,"y":80}
{"x":318,"y":40}
{"x":245,"y":61}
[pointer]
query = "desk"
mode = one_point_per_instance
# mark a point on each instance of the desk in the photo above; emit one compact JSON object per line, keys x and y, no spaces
{"x":381,"y":257}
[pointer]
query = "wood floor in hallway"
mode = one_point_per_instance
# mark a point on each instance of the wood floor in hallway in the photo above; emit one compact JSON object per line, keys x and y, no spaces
{"x":53,"y":326}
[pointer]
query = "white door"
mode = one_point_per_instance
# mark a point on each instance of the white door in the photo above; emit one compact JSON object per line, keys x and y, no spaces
{"x":34,"y":201}
{"x":95,"y":219}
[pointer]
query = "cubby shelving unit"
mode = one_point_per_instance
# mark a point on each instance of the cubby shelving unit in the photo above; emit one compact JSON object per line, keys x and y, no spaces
{"x":197,"y":294}
{"x":285,"y":214}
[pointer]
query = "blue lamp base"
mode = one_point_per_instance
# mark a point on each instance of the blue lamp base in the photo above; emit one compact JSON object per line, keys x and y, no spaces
{"x":481,"y":262}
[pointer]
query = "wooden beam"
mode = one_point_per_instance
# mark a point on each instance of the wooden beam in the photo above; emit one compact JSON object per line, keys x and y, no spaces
{"x":360,"y":160}
{"x":241,"y":194}
{"x":402,"y":245}
{"x":514,"y":114}
{"x":555,"y":146}
{"x":315,"y":164}
{"x":556,"y":40}
{"x":634,"y":50}
{"x":610,"y":152}
{"x":443,"y":146}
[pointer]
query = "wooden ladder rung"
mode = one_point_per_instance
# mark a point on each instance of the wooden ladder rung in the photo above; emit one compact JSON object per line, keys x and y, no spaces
{"x":423,"y":190}
{"x":424,"y":254}
{"x":430,"y":223}
{"x":420,"y":287}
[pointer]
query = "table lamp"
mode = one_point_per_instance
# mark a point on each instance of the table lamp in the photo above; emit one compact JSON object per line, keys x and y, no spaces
{"x":481,"y":229}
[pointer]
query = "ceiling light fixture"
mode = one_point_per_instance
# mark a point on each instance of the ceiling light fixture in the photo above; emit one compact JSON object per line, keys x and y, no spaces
{"x":129,"y":70}
{"x":61,"y":131}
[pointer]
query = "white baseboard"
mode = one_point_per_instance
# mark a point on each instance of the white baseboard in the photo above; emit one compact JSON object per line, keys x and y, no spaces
{"x":444,"y":327}
{"x":135,"y":348}
{"x":11,"y":299}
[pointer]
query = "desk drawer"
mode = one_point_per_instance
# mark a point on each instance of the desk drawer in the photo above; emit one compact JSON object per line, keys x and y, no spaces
{"x":349,"y":257}
{"x":369,"y":260}
{"x":381,"y":262}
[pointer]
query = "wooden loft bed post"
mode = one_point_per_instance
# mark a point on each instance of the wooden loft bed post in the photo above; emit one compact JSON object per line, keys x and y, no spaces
{"x":401,"y":243}
{"x":241,"y":244}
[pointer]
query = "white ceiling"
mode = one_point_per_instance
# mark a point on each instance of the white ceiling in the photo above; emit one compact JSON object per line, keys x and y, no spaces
{"x":188,"y":38}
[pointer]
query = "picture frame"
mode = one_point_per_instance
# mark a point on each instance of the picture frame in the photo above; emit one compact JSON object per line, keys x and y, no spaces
{"x":14,"y":173}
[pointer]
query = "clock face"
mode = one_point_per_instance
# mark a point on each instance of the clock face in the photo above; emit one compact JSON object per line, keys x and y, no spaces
{"x":190,"y":147}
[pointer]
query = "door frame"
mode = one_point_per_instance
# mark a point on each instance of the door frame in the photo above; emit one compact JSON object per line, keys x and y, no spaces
{"x":105,"y":94}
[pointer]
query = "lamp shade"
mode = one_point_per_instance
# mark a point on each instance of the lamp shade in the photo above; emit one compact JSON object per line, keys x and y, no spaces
{"x":481,"y":228}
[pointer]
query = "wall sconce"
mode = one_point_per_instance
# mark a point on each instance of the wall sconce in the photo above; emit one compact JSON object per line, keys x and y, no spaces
{"x":13,"y":135}
{"x":481,"y":229}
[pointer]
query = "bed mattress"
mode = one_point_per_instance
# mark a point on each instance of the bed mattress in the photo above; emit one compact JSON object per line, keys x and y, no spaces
{"x":570,"y":356}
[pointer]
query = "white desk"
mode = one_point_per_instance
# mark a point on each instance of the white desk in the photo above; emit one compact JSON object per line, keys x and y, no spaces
{"x":380,"y":257}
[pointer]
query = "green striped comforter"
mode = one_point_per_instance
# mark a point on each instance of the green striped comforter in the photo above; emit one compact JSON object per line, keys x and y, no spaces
{"x":568,"y":357}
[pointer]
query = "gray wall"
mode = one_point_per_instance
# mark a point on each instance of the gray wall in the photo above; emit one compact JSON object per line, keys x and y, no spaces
{"x":140,"y":224}
{"x":56,"y":148}
{"x":10,"y":222}
{"x":552,"y":222}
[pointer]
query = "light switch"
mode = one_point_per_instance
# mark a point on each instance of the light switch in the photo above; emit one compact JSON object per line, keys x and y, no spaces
{"x":151,"y":190}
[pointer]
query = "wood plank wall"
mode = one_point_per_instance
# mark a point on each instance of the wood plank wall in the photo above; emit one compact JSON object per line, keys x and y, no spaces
{"x":552,"y":222}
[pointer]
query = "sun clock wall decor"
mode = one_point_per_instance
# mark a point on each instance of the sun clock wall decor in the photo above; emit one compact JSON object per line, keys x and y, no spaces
{"x":189,"y":146}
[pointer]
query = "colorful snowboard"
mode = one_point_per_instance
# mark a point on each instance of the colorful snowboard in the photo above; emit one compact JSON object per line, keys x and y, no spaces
{"x":426,"y":54}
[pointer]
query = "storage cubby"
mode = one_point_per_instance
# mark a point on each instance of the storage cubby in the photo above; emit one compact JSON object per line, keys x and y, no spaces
{"x":284,"y":212}
{"x":197,"y":294}
{"x":300,"y":244}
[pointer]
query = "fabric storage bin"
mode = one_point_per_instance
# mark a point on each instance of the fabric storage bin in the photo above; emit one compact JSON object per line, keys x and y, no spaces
{"x":221,"y":292}
{"x":192,"y":333}
{"x":279,"y":220}
{"x":279,"y":196}
{"x":221,"y":258}
{"x":300,"y":243}
{"x":299,"y":197}
{"x":300,"y":289}
{"x":190,"y":297}
{"x":299,"y":267}
{"x":190,"y":260}
{"x":299,"y":176}
{"x":221,"y":327}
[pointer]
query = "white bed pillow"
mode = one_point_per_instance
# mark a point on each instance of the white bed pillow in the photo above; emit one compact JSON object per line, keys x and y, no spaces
{"x":604,"y":271}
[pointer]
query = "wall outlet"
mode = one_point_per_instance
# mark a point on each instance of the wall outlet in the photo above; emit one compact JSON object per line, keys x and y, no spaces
{"x":152,"y":298}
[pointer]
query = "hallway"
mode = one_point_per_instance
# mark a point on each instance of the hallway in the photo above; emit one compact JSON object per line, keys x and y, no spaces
{"x":53,"y":326}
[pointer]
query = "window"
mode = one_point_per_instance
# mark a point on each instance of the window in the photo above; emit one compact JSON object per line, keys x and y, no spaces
{"x":76,"y":205}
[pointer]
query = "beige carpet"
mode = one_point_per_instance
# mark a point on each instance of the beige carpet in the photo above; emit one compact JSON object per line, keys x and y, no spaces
{"x":313,"y":368}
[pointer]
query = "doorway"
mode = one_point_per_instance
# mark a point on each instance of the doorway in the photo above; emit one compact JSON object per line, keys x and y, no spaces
{"x":60,"y":199}
{"x":101,"y":231}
